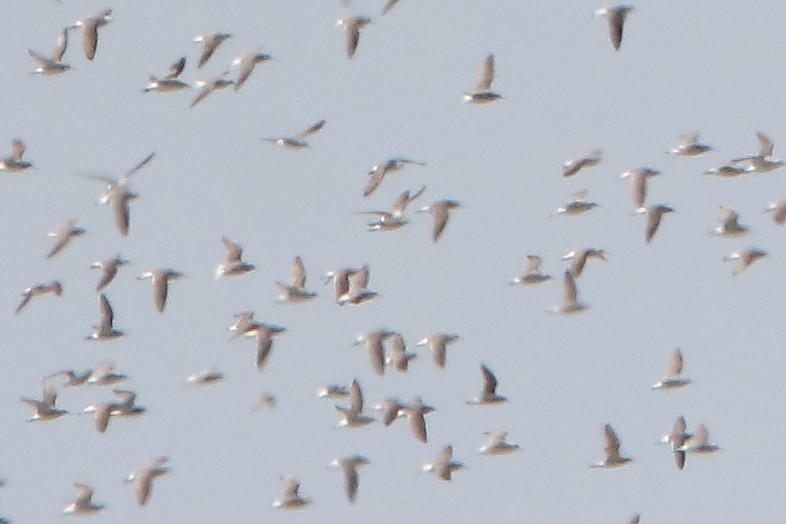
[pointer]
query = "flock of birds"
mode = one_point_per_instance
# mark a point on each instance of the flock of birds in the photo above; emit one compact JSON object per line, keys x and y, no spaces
{"x":386,"y":348}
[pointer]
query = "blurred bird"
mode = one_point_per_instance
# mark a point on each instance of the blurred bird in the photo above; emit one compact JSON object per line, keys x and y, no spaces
{"x":729,"y":171}
{"x":577,"y":205}
{"x":440,"y":212}
{"x":616,"y":16}
{"x":349,"y":467}
{"x":379,"y":171}
{"x":394,"y":219}
{"x":104,"y":375}
{"x":83,"y":506}
{"x":210,"y":42}
{"x":676,"y":439}
{"x":160,"y":279}
{"x":638,"y":185}
{"x":745,"y":258}
{"x":444,"y":466}
{"x":205,"y":377}
{"x":233,"y":265}
{"x":570,"y":303}
{"x":297,"y":141}
{"x":778,"y":210}
{"x":295,"y":291}
{"x":52,"y":65}
{"x":352,"y":416}
{"x":437,"y":345}
{"x":398,"y":356}
{"x":39,"y":290}
{"x":488,"y":395}
{"x":352,"y":28}
{"x":613,"y":458}
{"x":118,"y":194}
{"x":108,"y":267}
{"x":105,"y":329}
{"x":654,"y":215}
{"x":246,"y":62}
{"x":170,"y":82}
{"x":699,"y":442}
{"x":690,"y":146}
{"x":498,"y":444}
{"x":673,"y":378}
{"x":729,"y":225}
{"x":211,"y":84}
{"x":376,"y":351}
{"x":574,"y":167}
{"x":416,"y":412}
{"x":532,"y":273}
{"x":763,"y":162}
{"x":63,"y":235}
{"x":90,"y":26}
{"x":15,"y":162}
{"x":483,"y":94}
{"x":290,"y":498}
{"x":144,"y":478}
{"x":45,"y":409}
{"x":579,"y":258}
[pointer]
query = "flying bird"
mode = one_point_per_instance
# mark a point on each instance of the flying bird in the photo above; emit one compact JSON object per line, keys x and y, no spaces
{"x":437,"y":345}
{"x":570,"y":303}
{"x":352,"y":28}
{"x":83,"y":505}
{"x":295,"y":291}
{"x":290,"y":499}
{"x":144,"y":478}
{"x":654,"y":215}
{"x":247,"y":62}
{"x":109,"y":268}
{"x":160,"y":279}
{"x":673,"y":378}
{"x":210,"y":42}
{"x":52,"y":288}
{"x":349,"y":468}
{"x":379,"y":171}
{"x":612,"y":450}
{"x":15,"y":162}
{"x":63,"y":235}
{"x":105,"y":330}
{"x":745,"y":258}
{"x":483,"y":94}
{"x":90,"y":26}
{"x":579,"y":258}
{"x":616,"y":16}
{"x":488,"y":395}
{"x":233,"y":265}
{"x":53,"y":64}
{"x":532,"y":274}
{"x":573,"y":167}
{"x":440,"y":212}
{"x":444,"y":466}
{"x":207,"y":86}
{"x":297,"y":141}
{"x":690,"y":146}
{"x":498,"y":444}
{"x":170,"y":82}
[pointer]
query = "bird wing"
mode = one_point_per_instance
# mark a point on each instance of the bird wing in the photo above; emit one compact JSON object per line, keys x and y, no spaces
{"x":486,"y":76}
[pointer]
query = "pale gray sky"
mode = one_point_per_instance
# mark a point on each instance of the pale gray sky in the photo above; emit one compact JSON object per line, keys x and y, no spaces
{"x":700,"y":66}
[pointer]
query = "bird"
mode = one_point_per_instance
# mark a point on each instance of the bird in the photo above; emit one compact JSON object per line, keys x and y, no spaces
{"x":90,"y":26}
{"x":398,"y":356}
{"x":729,"y":225}
{"x":699,"y":442}
{"x":488,"y":395}
{"x":437,"y":345}
{"x":290,"y":499}
{"x":352,"y":416}
{"x":109,"y":268}
{"x":45,"y":409}
{"x":160,"y":279}
{"x":352,"y":28}
{"x":440,"y":212}
{"x":745,"y":258}
{"x":497,"y":444}
{"x":778,"y":210}
{"x":638,"y":185}
{"x":208,"y":85}
{"x":53,"y":64}
{"x":104,"y":375}
{"x":205,"y":377}
{"x":333,"y":392}
{"x":764,"y":161}
{"x":233,"y":265}
{"x":577,"y":205}
{"x":392,"y":409}
{"x":264,"y":333}
{"x":390,"y":4}
{"x":612,"y":450}
{"x":616,"y":16}
{"x":729,"y":171}
{"x":118,"y":194}
{"x":63,"y":235}
{"x":105,"y":329}
{"x":532,"y":274}
{"x":39,"y":290}
{"x":673,"y":378}
{"x":297,"y":141}
{"x":357,"y":292}
{"x":170,"y":82}
{"x":389,"y":166}
{"x":690,"y":146}
{"x":394,"y":219}
{"x":295,"y":291}
{"x":73,"y":379}
{"x":654,"y":215}
{"x":15,"y":162}
{"x":570,"y":303}
{"x":676,"y":438}
{"x":573,"y":167}
{"x":444,"y":466}
{"x":144,"y":478}
{"x":83,"y":505}
{"x":579,"y":258}
{"x":210,"y":42}
{"x":483,"y":94}
{"x":246,"y":62}
{"x":125,"y":407}
{"x":416,"y":412}
{"x":376,"y":351}
{"x":349,"y":468}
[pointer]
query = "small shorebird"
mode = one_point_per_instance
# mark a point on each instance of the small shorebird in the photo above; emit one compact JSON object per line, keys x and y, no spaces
{"x":437,"y":345}
{"x":616,"y":16}
{"x":376,"y":350}
{"x":125,"y":407}
{"x":654,"y":215}
{"x":297,"y":141}
{"x":104,"y":375}
{"x":483,"y":94}
{"x":357,"y":292}
{"x":118,"y":195}
{"x":778,"y":210}
{"x":90,"y":26}
{"x":53,"y":64}
{"x":45,"y":409}
{"x":577,"y":205}
{"x":233,"y":265}
{"x":169,"y":82}
{"x":210,"y":42}
{"x":105,"y":329}
{"x":700,"y":442}
{"x":729,"y":171}
{"x":83,"y":506}
{"x":763,"y":162}
{"x":570,"y":303}
{"x":416,"y":412}
{"x":333,"y":392}
{"x":676,"y":439}
{"x":532,"y":273}
{"x":394,"y":219}
{"x":498,"y":444}
{"x":673,"y":378}
{"x":488,"y":395}
{"x":246,"y":62}
{"x":209,"y":85}
{"x":745,"y":258}
{"x":63,"y":235}
{"x":389,"y":166}
{"x":73,"y":379}
{"x":352,"y":28}
{"x":160,"y":279}
{"x":144,"y":478}
{"x":108,"y":267}
{"x":574,"y":167}
{"x":264,"y":333}
{"x":399,"y":357}
{"x":53,"y":288}
{"x":295,"y":291}
{"x":638,"y":185}
{"x":690,"y":146}
{"x":440,"y":211}
{"x":352,"y":416}
{"x":349,"y":468}
{"x":15,"y":162}
{"x":290,"y":499}
{"x":444,"y":466}
{"x":579,"y":257}
{"x":205,"y":377}
{"x":613,"y":458}
{"x":729,"y":225}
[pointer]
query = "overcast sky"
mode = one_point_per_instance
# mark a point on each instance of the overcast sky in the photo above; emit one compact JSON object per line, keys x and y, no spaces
{"x":683,"y":67}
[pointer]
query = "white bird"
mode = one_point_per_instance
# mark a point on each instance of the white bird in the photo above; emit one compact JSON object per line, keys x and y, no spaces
{"x":295,"y":291}
{"x":729,"y":225}
{"x":45,"y":409}
{"x":654,"y":215}
{"x":398,"y":356}
{"x":763,"y":162}
{"x":676,"y":439}
{"x":104,"y":375}
{"x":483,"y":94}
{"x":577,"y":205}
{"x":108,"y":267}
{"x":579,"y":258}
{"x":416,"y":413}
{"x":440,"y":211}
{"x":778,"y":210}
{"x":612,"y":450}
{"x":352,"y":416}
{"x":638,"y":185}
{"x":673,"y":378}
{"x":729,"y":171}
{"x":700,"y":442}
{"x":208,"y":85}
{"x":376,"y":350}
{"x":15,"y":162}
{"x":170,"y":82}
{"x":488,"y":395}
{"x":205,"y":377}
{"x":394,"y":219}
